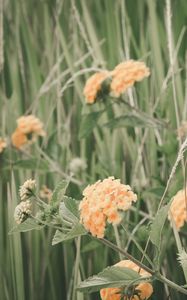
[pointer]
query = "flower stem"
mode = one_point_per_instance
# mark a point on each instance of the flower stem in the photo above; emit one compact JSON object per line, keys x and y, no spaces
{"x":157,"y":275}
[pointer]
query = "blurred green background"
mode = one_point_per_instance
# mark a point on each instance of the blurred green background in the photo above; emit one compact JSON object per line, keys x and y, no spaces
{"x":47,"y":51}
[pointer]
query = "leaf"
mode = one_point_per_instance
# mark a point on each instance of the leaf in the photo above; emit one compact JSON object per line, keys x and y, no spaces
{"x":130,"y":120}
{"x":59,"y":192}
{"x":72,"y":205}
{"x":158,"y":224}
{"x":110,"y":277}
{"x":69,"y":213}
{"x":31,"y":164}
{"x":75,"y":231}
{"x":88,"y":122}
{"x":29,"y":224}
{"x":69,"y":209}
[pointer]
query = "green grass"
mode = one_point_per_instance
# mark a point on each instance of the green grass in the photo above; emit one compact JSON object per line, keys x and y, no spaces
{"x":46,"y":44}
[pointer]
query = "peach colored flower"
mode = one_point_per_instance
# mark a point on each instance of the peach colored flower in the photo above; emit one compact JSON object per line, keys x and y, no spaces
{"x":93,"y":85}
{"x":126,"y":74}
{"x":182,"y":131}
{"x":178,"y":209}
{"x":30,"y":124}
{"x":28,"y":128}
{"x":144,"y":289}
{"x":45,"y":193}
{"x":104,"y":202}
{"x":3,"y":144}
{"x":19,"y":139}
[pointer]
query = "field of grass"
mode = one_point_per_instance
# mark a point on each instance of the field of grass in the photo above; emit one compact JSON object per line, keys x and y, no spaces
{"x":48,"y":49}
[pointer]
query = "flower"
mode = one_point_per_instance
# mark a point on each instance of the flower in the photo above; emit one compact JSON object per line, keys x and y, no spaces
{"x":103,"y":202}
{"x":45,"y":193}
{"x":3,"y":144}
{"x":126,"y":74}
{"x":22,"y":211}
{"x":77,"y":165}
{"x":144,"y":289}
{"x":93,"y":85}
{"x":182,"y":131}
{"x":28,"y":128}
{"x":30,"y":124}
{"x":178,"y":209}
{"x":19,"y":139}
{"x":25,"y":190}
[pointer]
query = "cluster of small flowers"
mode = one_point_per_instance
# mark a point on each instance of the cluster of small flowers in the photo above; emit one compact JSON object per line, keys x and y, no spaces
{"x":25,"y":190}
{"x":178,"y":209}
{"x":122,"y":77}
{"x":144,"y":289}
{"x":3,"y":144}
{"x":28,"y":128}
{"x":104,"y":202}
{"x":23,"y":209}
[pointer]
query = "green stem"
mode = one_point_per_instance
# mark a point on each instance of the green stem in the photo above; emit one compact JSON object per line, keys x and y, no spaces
{"x":76,"y":271}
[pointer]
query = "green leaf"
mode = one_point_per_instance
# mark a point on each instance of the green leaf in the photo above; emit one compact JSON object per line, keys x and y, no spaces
{"x":88,"y":122}
{"x":32,"y":164}
{"x":29,"y":224}
{"x":75,"y":231}
{"x":110,"y":277}
{"x":69,"y":214}
{"x":156,"y":231}
{"x":67,"y":211}
{"x":72,"y":205}
{"x":130,"y":120}
{"x":158,"y":224}
{"x":59,"y":192}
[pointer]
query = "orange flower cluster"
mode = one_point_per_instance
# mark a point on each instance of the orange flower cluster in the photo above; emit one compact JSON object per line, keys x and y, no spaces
{"x":123,"y":76}
{"x":3,"y":144}
{"x":93,"y":85}
{"x":28,"y":128}
{"x":144,"y":289}
{"x":178,"y":209}
{"x":103,"y":202}
{"x":126,"y":74}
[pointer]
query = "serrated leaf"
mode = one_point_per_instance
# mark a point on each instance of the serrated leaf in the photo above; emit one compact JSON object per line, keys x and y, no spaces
{"x":88,"y":122}
{"x":72,"y":205}
{"x":69,"y":209}
{"x":110,"y":277}
{"x":29,"y":224}
{"x":59,"y":192}
{"x":130,"y":120}
{"x":32,"y":164}
{"x":75,"y":231}
{"x":158,"y":224}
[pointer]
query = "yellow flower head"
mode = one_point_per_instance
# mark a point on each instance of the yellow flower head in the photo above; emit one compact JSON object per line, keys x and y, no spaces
{"x":178,"y":209}
{"x":103,"y":202}
{"x":144,"y":289}
{"x":126,"y":74}
{"x":3,"y":144}
{"x":28,"y":128}
{"x":93,"y":85}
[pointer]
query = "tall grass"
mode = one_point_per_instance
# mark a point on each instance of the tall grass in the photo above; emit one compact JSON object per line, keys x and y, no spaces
{"x":47,"y":50}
